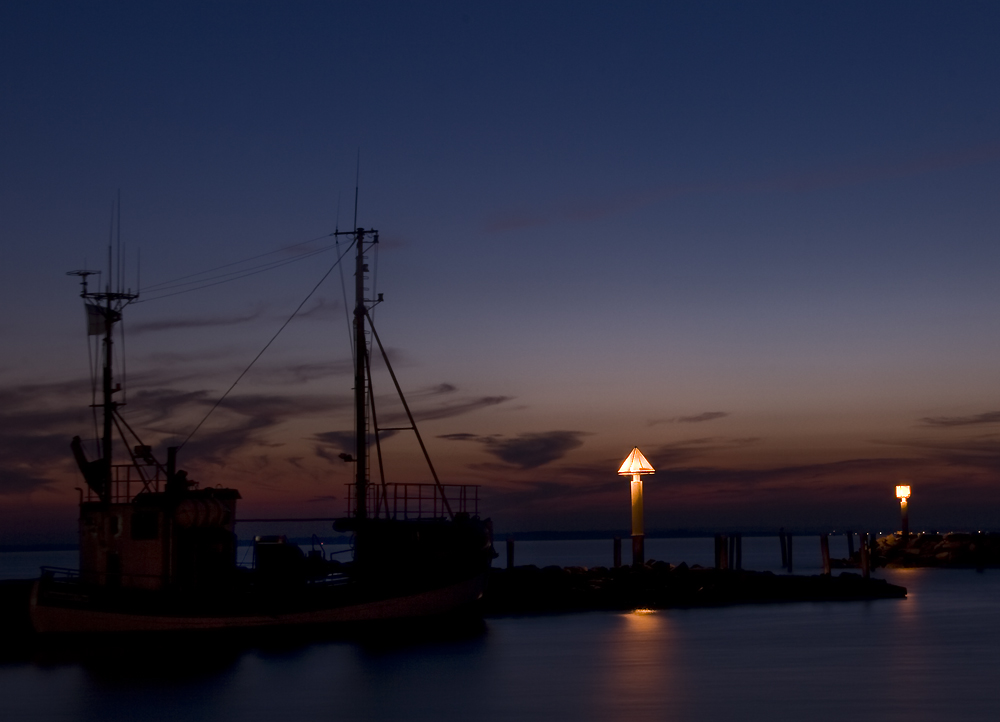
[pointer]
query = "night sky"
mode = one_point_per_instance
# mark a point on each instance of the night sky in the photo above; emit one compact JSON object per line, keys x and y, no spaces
{"x":757,"y":240}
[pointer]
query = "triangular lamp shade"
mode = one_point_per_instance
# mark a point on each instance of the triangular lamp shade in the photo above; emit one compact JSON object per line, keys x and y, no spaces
{"x":636,"y":464}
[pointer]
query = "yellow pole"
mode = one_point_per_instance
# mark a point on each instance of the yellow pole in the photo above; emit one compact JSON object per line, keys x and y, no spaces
{"x":638,"y":536}
{"x":637,"y":505}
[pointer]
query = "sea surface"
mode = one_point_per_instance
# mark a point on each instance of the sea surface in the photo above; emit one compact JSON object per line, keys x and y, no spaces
{"x":932,"y":656}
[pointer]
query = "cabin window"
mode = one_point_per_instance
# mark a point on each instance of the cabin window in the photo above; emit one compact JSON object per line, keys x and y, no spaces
{"x":145,"y":525}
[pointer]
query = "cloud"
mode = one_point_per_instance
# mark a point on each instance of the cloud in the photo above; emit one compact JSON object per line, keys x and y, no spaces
{"x":304,"y":372}
{"x":199,"y":322}
{"x":527,"y":451}
{"x":322,"y":309}
{"x":443,"y":411}
{"x":695,"y":419}
{"x":440,"y":389}
{"x":990,"y":417}
{"x":18,"y":482}
{"x":686,"y":450}
{"x":342,"y":440}
{"x":153,"y":406}
{"x":706,"y":416}
{"x":37,"y":422}
{"x":459,"y":437}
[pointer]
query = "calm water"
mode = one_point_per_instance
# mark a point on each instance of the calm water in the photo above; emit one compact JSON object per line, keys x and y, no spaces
{"x":933,"y":656}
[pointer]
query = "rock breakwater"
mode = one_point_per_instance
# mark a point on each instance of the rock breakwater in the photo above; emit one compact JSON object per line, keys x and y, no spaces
{"x":659,"y":585}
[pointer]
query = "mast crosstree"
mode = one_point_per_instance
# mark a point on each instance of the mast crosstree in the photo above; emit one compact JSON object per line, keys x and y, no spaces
{"x":104,"y":310}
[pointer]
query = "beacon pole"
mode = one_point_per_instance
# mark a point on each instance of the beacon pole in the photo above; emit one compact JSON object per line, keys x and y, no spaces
{"x":903,"y":494}
{"x":635,"y":466}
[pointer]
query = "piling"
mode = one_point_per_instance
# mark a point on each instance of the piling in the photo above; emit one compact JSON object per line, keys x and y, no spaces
{"x":510,"y":552}
{"x":739,"y":551}
{"x":784,"y":549}
{"x":866,"y":569}
{"x":638,"y":550}
{"x":850,"y":544}
{"x":721,"y":552}
{"x":824,"y":548}
{"x":788,"y":542}
{"x":618,"y":552}
{"x":731,"y":557}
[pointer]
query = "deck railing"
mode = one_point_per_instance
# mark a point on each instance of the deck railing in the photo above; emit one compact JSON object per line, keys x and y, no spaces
{"x":128,"y":481}
{"x":415,"y":501}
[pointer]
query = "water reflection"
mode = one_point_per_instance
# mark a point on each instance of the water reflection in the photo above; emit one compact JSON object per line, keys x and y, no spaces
{"x":932,"y":656}
{"x":644,"y":675}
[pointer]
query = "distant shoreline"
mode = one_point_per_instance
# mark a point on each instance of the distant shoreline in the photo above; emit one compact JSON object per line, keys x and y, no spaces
{"x":584,"y":535}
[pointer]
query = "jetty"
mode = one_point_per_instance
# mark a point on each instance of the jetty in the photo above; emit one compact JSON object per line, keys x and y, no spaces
{"x":658,"y":585}
{"x":948,"y":551}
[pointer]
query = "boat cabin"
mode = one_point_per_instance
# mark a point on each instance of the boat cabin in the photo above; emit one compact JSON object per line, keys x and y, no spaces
{"x":152,"y":529}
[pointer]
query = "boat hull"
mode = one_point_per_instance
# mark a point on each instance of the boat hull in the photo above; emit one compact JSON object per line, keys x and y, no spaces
{"x":49,"y":618}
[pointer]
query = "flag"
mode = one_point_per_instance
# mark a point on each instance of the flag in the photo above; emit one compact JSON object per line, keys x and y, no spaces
{"x":97,"y":319}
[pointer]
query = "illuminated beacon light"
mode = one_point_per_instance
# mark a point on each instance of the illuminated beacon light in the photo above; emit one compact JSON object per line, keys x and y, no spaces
{"x":903,"y":491}
{"x":635,"y":465}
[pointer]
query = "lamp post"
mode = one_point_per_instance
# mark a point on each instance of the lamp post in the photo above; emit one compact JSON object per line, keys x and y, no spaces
{"x":635,"y":466}
{"x":903,"y":493}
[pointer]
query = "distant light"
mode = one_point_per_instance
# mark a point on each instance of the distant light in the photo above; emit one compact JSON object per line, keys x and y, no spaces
{"x":643,"y":611}
{"x":635,"y":464}
{"x":903,"y":491}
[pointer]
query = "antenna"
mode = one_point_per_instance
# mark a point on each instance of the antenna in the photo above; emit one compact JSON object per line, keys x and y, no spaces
{"x":111,"y":238}
{"x":119,"y":276}
{"x":357,"y":179}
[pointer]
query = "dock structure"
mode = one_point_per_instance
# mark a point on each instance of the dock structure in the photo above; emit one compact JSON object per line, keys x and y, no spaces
{"x":659,"y":585}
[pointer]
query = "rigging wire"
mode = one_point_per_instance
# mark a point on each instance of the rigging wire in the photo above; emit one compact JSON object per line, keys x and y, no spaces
{"x":121,"y":325}
{"x":261,"y":353}
{"x":91,"y":362}
{"x":172,"y":281}
{"x":235,"y":275}
{"x":347,"y":315}
{"x":375,"y":276}
{"x":343,"y":286}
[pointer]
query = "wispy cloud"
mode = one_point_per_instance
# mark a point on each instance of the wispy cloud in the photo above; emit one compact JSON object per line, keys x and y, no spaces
{"x":527,"y":451}
{"x":174,"y":324}
{"x":36,"y":424}
{"x":990,"y":417}
{"x":687,"y":450}
{"x":695,"y":419}
{"x":706,"y":416}
{"x":321,"y":308}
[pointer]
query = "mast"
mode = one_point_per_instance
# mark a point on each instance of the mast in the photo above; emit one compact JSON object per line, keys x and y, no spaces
{"x":361,"y":381}
{"x":104,"y":309}
{"x":360,"y":377}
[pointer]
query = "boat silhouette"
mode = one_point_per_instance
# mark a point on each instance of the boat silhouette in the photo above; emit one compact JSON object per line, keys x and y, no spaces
{"x":158,"y":551}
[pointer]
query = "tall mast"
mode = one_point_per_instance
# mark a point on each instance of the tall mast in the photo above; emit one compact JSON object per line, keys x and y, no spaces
{"x":108,"y":404}
{"x":360,"y":364}
{"x":104,"y":309}
{"x":361,"y":381}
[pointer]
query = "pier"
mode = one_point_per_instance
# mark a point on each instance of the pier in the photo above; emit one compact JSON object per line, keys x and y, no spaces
{"x":659,"y":585}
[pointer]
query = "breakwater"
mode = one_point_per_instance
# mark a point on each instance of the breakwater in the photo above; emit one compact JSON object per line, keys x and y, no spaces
{"x":659,"y":585}
{"x":957,"y":550}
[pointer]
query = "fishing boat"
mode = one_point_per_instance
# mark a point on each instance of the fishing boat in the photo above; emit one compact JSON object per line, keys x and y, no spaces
{"x":158,"y":551}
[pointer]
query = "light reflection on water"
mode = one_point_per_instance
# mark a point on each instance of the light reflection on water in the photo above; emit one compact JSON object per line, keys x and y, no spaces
{"x":932,"y":656}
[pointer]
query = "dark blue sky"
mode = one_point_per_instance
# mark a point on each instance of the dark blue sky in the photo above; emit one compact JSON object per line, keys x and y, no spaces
{"x":598,"y":220}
